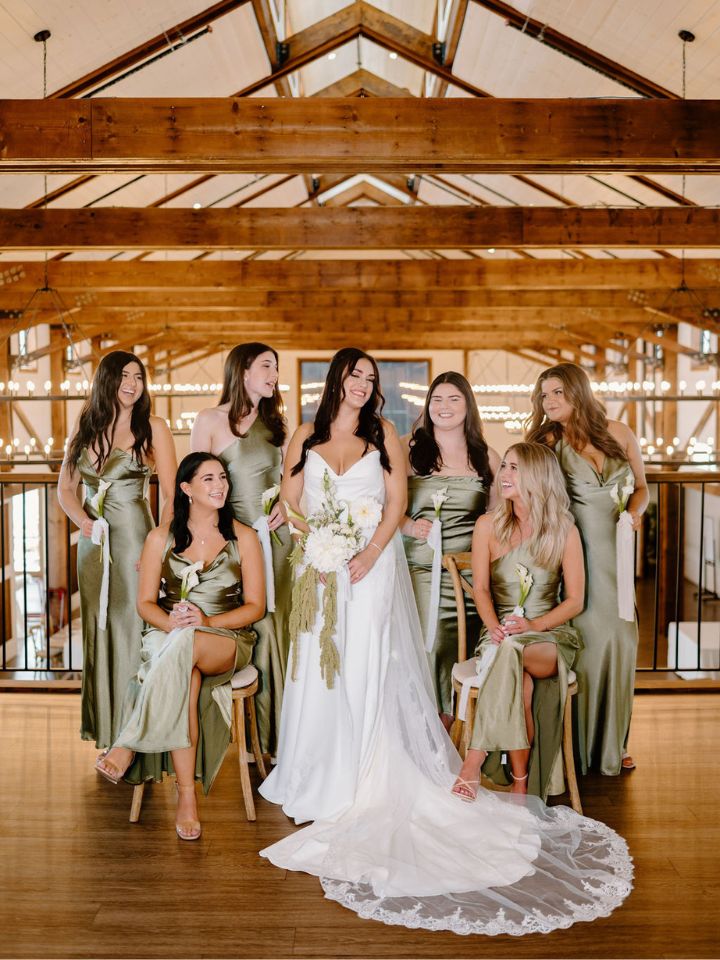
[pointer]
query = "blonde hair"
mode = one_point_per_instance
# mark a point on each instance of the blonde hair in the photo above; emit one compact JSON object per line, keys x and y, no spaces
{"x":542,"y":487}
{"x":588,"y":423}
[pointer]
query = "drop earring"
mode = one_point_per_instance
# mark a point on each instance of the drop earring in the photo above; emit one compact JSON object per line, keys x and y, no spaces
{"x":189,"y":498}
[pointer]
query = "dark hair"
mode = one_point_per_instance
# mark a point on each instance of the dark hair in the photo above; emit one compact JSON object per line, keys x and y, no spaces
{"x":189,"y":466}
{"x":270,"y":409}
{"x":425,"y":455}
{"x":588,"y":422}
{"x":370,"y":425}
{"x":96,"y":426}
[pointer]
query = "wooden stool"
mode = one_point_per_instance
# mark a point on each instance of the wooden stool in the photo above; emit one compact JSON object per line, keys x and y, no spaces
{"x":461,"y":731}
{"x":244,"y":687}
{"x":245,"y":684}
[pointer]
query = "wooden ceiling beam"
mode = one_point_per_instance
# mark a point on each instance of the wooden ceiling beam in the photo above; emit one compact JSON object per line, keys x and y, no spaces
{"x":329,"y":135}
{"x":362,"y":83}
{"x":358,"y":228}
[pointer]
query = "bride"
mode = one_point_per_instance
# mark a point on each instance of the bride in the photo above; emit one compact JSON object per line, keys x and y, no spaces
{"x":368,"y":760}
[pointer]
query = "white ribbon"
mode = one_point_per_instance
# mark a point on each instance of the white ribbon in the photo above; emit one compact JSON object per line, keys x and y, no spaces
{"x":434,"y":541}
{"x":344,"y":594}
{"x":100,"y":536}
{"x":262,"y":526}
{"x":624,"y":555}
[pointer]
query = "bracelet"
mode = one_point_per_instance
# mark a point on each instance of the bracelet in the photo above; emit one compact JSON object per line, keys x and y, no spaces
{"x":379,"y":549}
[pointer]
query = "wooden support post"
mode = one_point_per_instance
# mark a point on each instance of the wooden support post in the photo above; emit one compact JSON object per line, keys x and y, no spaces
{"x":58,"y":408}
{"x":5,"y":405}
{"x":670,"y":373}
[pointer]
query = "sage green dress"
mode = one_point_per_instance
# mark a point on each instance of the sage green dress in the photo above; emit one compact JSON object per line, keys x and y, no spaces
{"x":606,"y":667}
{"x":500,"y":715}
{"x":467,"y":500}
{"x":111,"y":656}
{"x":155,"y":719}
{"x":253,"y":465}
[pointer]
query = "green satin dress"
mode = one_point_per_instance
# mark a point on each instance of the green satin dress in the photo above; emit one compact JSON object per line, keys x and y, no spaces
{"x":500,"y":715}
{"x":606,"y":667}
{"x":467,"y":500}
{"x":155,"y":717}
{"x":253,"y":465}
{"x":111,"y":656}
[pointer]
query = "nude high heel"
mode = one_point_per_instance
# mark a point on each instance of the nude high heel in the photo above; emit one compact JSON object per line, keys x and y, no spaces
{"x":187,"y":829}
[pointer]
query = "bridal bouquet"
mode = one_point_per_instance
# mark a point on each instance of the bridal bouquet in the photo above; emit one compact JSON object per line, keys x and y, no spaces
{"x":100,"y":536}
{"x":338,"y":531}
{"x":624,"y":548}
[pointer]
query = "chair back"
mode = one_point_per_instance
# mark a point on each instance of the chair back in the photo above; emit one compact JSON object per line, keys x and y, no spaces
{"x":454,"y":563}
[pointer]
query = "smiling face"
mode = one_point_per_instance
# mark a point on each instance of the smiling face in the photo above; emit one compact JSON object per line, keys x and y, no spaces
{"x":209,"y":487}
{"x":554,"y":401}
{"x":261,"y":377}
{"x":358,"y":384}
{"x":508,"y":477}
{"x":131,"y":385}
{"x":447,"y":407}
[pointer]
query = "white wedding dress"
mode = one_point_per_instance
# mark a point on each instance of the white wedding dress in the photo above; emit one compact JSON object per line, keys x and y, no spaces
{"x":371,"y":764}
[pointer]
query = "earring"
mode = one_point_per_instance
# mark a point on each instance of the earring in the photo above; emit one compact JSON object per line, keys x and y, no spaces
{"x":189,"y":498}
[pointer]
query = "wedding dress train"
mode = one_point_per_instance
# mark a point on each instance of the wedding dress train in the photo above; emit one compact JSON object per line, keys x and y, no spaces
{"x":370,"y":762}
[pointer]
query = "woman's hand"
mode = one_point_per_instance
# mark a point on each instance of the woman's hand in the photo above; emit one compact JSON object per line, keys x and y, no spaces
{"x":516,"y":624}
{"x":636,"y":520}
{"x":497,"y":634}
{"x":277,"y":516}
{"x":86,"y":527}
{"x":362,"y":563}
{"x":186,"y":614}
{"x":421,"y":528}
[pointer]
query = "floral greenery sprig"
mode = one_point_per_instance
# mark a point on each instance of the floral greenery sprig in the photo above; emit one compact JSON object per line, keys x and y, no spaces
{"x":526,"y":581}
{"x":621,"y":499}
{"x":269,"y":498}
{"x":439,"y":498}
{"x":190,"y":579}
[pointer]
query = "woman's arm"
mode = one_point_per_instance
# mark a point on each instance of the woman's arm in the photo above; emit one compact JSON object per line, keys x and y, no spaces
{"x":640,"y":497}
{"x":149,"y":581}
{"x":291,"y":488}
{"x":481,"y":577}
{"x":163,"y":452}
{"x":420,"y":528}
{"x":201,"y":435}
{"x":573,"y":568}
{"x":67,"y":493}
{"x":494,"y":459}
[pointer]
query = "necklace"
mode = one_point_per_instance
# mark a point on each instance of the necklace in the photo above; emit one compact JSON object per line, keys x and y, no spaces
{"x":201,"y":539}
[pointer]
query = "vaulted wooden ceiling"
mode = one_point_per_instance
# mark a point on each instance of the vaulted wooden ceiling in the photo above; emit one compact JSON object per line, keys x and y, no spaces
{"x":545,"y":225}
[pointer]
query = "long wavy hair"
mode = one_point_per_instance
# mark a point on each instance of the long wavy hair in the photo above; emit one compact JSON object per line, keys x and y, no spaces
{"x":270,"y":409}
{"x":588,"y":423}
{"x":96,"y":425}
{"x":542,"y":487}
{"x":425,"y":457}
{"x":189,"y":466}
{"x":370,"y":426}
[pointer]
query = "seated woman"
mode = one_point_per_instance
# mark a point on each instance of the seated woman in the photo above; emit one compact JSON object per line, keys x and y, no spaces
{"x":207,"y":571}
{"x":522,"y":554}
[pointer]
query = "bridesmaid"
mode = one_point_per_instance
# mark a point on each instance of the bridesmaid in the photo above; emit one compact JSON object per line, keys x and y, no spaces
{"x":116,"y":441}
{"x":447,"y":450}
{"x":521,"y":698}
{"x":195,"y":638}
{"x":595,"y":454}
{"x":247,"y":432}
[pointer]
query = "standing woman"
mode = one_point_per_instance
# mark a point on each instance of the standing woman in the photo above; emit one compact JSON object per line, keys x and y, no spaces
{"x":113,"y":449}
{"x":598,"y":456}
{"x":247,"y":432}
{"x":448,"y":456}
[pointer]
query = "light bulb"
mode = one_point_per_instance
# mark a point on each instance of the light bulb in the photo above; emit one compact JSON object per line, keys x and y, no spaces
{"x":48,"y":386}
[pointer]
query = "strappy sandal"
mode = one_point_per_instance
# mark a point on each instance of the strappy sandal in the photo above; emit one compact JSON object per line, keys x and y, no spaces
{"x":187,"y":829}
{"x":627,"y":762}
{"x":114,"y":777}
{"x":467,"y":798}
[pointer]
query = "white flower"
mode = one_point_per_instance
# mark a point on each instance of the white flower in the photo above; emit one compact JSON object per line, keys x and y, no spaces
{"x":621,"y":499}
{"x":328,"y":551}
{"x":269,"y":497}
{"x":189,"y":579}
{"x":439,"y":499}
{"x":366,"y":512}
{"x":98,"y":501}
{"x":526,"y":582}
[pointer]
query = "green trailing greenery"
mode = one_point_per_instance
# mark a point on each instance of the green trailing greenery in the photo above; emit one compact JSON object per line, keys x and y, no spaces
{"x":303,"y":610}
{"x":329,"y":655}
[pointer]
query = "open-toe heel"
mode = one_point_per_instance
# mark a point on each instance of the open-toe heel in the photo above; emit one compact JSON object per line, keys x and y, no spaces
{"x":114,"y":774}
{"x":187,"y":829}
{"x":471,"y":785}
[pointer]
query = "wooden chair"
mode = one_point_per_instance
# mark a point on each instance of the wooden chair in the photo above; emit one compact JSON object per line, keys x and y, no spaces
{"x":244,"y":687}
{"x":461,"y":731}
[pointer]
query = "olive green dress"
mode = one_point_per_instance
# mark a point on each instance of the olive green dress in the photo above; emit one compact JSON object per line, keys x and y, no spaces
{"x":253,"y":465}
{"x":467,"y":500}
{"x":155,"y":717}
{"x":606,"y":667}
{"x":111,"y":656}
{"x":500,"y":715}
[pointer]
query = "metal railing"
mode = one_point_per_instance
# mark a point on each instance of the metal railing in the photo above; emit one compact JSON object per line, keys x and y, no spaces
{"x":677,"y":578}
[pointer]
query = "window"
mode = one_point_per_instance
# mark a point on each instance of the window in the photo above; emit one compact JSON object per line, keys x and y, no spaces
{"x":399,"y":409}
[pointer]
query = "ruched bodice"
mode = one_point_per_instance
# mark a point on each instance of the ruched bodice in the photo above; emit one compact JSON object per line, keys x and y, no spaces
{"x":253,"y":465}
{"x":111,"y":655}
{"x":365,"y":478}
{"x":505,"y":584}
{"x":590,"y":491}
{"x":220,"y":583}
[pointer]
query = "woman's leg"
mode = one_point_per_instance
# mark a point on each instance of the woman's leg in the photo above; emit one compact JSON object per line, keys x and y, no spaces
{"x":539,"y":662}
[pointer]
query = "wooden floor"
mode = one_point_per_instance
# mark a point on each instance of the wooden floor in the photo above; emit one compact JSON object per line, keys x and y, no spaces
{"x":78,"y":880}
